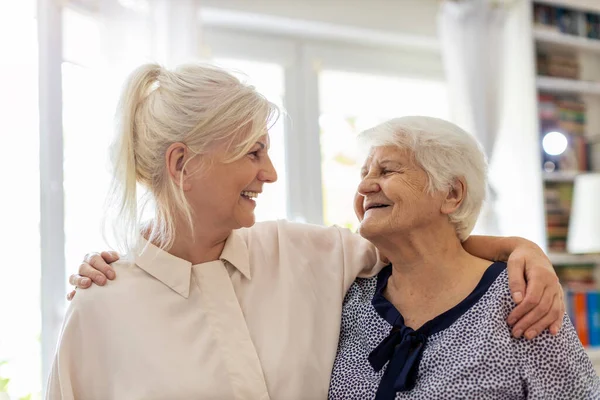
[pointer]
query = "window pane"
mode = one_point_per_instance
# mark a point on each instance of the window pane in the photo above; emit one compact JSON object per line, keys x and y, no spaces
{"x":350,"y":103}
{"x":20,"y":315}
{"x":269,"y":80}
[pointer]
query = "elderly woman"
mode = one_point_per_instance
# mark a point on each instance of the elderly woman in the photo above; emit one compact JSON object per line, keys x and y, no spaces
{"x":207,"y":304}
{"x":431,"y":325}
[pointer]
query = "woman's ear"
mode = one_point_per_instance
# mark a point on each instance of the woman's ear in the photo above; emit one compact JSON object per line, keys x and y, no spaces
{"x":455,"y":196}
{"x":176,"y":158}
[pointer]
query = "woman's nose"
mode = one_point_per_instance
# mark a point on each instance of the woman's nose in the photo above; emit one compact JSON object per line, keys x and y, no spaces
{"x":368,"y":186}
{"x":268,"y":173}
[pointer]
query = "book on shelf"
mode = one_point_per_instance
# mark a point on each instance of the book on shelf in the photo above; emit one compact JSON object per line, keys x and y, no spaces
{"x":582,"y":300}
{"x":583,"y":308}
{"x":557,"y":202}
{"x":557,"y":65}
{"x":565,"y":114}
{"x":567,"y":21}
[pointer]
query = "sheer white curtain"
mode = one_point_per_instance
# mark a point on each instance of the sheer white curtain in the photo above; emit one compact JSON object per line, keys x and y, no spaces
{"x":483,"y":48}
{"x":102,"y":45}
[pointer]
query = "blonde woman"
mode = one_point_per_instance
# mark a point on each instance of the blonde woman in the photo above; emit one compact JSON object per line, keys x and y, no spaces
{"x":208,"y":304}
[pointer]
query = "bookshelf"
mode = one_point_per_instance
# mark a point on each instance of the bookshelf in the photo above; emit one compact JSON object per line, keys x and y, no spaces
{"x":569,"y":86}
{"x":566,"y":37}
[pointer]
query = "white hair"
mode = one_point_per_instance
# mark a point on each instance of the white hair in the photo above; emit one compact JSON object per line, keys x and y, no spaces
{"x":446,"y":152}
{"x":199,"y":105}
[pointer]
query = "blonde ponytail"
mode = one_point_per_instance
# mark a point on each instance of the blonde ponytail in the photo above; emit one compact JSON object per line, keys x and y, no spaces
{"x":198,"y":105}
{"x":123,"y":192}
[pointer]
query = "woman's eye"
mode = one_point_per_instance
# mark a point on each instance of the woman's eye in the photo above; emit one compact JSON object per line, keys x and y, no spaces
{"x":254,"y":154}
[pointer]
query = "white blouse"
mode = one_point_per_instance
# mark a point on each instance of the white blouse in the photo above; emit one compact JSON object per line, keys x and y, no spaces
{"x":260,"y":323}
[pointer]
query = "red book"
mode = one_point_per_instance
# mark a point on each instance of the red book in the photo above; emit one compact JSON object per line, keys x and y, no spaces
{"x":580,"y":312}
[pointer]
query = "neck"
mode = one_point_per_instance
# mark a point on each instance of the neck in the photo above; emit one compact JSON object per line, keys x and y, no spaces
{"x":206,"y":244}
{"x":431,"y":272}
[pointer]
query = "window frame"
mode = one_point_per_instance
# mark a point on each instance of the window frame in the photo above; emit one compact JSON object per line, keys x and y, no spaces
{"x":302,"y":59}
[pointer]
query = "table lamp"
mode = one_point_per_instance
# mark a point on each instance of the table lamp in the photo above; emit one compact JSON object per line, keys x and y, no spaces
{"x":584,"y":223}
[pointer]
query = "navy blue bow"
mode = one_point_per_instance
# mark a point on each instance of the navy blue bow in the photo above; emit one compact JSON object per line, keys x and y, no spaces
{"x":403,"y":349}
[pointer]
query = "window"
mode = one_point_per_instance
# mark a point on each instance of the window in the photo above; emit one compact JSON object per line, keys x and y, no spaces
{"x":268,"y":78}
{"x":351,"y":102}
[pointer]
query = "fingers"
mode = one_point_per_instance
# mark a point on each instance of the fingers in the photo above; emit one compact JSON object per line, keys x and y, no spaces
{"x":516,"y":277}
{"x":95,"y":269}
{"x":531,"y":300}
{"x":548,"y":320}
{"x":538,"y":310}
{"x":110,"y":256}
{"x":97,"y":262}
{"x":556,"y":325}
{"x":87,"y":271}
{"x":80,"y":281}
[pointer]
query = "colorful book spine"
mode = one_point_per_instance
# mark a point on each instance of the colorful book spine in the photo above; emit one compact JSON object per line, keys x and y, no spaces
{"x":581,"y":319}
{"x":583,"y":308}
{"x":570,"y":310}
{"x":593,"y":314}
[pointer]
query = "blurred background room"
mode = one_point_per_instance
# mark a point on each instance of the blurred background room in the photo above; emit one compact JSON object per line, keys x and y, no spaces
{"x":522,"y":75}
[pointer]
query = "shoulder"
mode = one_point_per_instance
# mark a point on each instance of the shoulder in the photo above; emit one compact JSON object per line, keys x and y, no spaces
{"x":360,"y":292}
{"x":497,"y":297}
{"x":557,"y":366}
{"x":361,"y":325}
{"x":130,"y":278}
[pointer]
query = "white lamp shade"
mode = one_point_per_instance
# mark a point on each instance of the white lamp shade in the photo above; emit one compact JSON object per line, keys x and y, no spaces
{"x":584,"y":224}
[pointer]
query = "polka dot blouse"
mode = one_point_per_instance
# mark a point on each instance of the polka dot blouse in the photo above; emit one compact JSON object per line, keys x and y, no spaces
{"x":464,"y":353}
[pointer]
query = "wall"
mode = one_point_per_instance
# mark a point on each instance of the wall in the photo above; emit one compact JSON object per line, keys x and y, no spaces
{"x":415,"y":17}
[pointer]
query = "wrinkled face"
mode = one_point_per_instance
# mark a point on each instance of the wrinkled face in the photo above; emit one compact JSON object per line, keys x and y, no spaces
{"x":392,"y":196}
{"x":225,"y":193}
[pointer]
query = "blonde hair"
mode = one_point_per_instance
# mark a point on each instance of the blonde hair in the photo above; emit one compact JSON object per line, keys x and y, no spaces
{"x":445,"y":152}
{"x":198,"y":105}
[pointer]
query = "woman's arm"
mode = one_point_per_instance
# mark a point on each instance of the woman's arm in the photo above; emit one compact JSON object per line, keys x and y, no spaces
{"x":530,"y":272}
{"x":532,"y":280}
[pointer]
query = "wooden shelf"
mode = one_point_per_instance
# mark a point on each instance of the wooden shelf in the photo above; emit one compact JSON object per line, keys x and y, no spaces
{"x":581,"y":5}
{"x":567,"y":258}
{"x":560,"y":85}
{"x":564,"y":41}
{"x":595,"y":138}
{"x":561,"y":176}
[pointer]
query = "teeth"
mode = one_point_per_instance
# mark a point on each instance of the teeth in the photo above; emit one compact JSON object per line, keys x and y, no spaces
{"x":251,"y":195}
